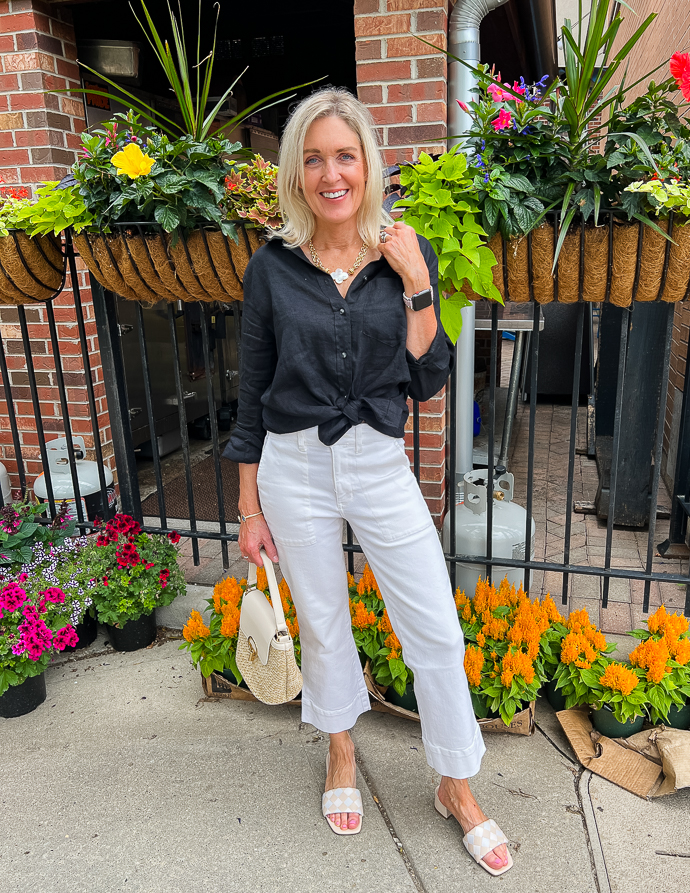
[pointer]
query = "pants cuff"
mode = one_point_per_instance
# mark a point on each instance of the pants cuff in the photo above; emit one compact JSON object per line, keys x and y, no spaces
{"x":332,"y":721}
{"x":456,"y":763}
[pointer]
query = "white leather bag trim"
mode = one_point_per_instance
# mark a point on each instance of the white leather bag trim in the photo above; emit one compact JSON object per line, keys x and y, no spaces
{"x":262,"y":623}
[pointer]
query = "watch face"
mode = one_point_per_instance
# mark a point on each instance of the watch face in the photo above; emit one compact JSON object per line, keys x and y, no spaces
{"x":422,"y":300}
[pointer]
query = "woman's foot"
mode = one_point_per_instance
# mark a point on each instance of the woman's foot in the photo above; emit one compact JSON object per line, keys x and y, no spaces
{"x":342,"y":773}
{"x":456,"y":796}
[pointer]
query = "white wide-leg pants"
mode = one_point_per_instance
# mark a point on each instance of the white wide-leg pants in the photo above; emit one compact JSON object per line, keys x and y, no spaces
{"x":306,"y":491}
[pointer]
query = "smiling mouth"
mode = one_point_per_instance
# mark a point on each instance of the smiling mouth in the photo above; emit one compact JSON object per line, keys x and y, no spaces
{"x":338,"y":194}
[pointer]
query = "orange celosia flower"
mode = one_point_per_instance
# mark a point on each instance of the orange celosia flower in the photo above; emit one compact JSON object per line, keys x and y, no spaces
{"x":481,"y":640}
{"x":578,"y":621}
{"x":575,"y":649}
{"x":195,"y":628}
{"x":385,"y":623}
{"x":474,"y":663}
{"x":460,"y":599}
{"x":673,"y":625}
{"x":368,"y":582}
{"x":361,"y":618}
{"x":227,"y":590}
{"x":516,"y":663}
{"x":652,"y":656}
{"x":495,"y":627}
{"x":619,"y":678}
{"x":551,"y":611}
{"x":261,"y":579}
{"x":293,"y":627}
{"x":393,"y":643}
{"x":350,"y":580}
{"x":680,"y":650}
{"x":230,"y":623}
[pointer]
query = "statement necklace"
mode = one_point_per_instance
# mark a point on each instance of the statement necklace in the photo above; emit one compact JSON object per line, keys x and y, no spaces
{"x":338,"y":275}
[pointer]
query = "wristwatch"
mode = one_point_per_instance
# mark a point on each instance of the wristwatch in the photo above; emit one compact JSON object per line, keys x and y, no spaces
{"x":419,"y":300}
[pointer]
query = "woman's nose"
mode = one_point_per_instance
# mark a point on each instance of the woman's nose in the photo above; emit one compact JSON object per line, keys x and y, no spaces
{"x":331,"y":173}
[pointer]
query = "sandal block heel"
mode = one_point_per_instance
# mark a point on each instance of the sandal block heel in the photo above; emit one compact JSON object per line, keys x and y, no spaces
{"x":440,"y":808}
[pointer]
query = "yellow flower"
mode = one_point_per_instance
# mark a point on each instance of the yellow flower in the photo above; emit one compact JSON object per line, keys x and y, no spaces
{"x":195,"y":628}
{"x":132,"y":161}
{"x":474,"y":662}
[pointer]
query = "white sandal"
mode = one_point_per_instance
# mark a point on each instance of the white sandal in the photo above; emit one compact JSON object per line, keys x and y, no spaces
{"x":481,"y":840}
{"x":342,"y":800}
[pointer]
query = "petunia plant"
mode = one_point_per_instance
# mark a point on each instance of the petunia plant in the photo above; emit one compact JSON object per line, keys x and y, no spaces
{"x":32,"y":629}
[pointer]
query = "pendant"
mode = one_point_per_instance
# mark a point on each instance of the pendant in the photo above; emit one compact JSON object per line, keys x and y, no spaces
{"x":339,"y":276}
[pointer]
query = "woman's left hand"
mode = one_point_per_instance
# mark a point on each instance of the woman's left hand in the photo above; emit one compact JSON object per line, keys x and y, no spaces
{"x":401,"y":250}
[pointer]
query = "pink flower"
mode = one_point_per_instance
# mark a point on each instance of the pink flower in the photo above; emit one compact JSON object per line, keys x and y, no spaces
{"x":497,"y":94}
{"x":12,"y":597}
{"x":463,"y":106}
{"x":505,"y":119}
{"x":64,"y":637}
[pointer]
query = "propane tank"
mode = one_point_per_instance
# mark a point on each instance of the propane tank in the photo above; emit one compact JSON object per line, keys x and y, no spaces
{"x":509,"y":525}
{"x":5,"y":486}
{"x":92,"y":502}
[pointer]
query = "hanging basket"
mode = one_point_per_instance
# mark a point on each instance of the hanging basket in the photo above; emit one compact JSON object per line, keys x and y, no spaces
{"x":617,"y":263}
{"x":140,"y":262}
{"x":32,"y":270}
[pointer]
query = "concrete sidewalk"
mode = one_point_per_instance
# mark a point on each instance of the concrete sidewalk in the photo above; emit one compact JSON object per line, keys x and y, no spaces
{"x":127,"y":779}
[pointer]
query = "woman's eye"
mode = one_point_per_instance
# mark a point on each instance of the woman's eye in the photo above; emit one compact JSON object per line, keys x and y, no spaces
{"x":312,"y":161}
{"x":347,"y":157}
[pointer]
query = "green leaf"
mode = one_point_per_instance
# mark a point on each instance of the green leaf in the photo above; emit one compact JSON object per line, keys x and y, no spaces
{"x":168,"y":217}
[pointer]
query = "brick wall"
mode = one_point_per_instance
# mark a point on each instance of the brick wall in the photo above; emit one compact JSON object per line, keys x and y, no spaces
{"x":670,"y":32}
{"x":39,"y":132}
{"x":401,"y":79}
{"x":39,"y":136}
{"x":403,"y":82}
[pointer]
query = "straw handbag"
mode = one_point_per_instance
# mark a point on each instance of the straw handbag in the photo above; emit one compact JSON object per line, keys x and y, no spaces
{"x":265,"y":651}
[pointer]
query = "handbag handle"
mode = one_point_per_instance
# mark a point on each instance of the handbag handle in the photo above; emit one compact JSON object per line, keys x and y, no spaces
{"x":276,"y":602}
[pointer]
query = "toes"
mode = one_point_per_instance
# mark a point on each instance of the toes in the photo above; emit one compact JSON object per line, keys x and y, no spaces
{"x":353,"y":821}
{"x":497,"y":858}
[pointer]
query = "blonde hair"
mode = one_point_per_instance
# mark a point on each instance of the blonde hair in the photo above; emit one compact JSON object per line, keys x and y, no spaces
{"x":299,"y":220}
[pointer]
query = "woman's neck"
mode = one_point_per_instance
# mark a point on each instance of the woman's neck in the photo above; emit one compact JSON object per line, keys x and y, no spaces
{"x":339,"y":237}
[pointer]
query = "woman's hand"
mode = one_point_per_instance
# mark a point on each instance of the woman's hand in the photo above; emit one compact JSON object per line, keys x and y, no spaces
{"x":401,"y":250}
{"x":255,"y":535}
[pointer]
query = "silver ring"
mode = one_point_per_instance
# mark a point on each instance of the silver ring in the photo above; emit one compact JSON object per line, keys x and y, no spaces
{"x":383,"y":236}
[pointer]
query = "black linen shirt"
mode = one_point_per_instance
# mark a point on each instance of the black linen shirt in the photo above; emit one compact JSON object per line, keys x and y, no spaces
{"x":313,"y":358}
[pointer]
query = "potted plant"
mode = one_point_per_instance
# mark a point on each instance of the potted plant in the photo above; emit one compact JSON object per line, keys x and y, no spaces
{"x":662,"y":660}
{"x":583,"y":653}
{"x":21,"y":532}
{"x":551,"y":168}
{"x":213,"y":647}
{"x":32,"y":629}
{"x":31,"y":269}
{"x":618,"y":699}
{"x":131,"y":573}
{"x":506,"y":634}
{"x":157,"y":220}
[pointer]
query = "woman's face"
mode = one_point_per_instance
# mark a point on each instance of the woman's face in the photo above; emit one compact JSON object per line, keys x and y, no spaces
{"x":334,"y":171}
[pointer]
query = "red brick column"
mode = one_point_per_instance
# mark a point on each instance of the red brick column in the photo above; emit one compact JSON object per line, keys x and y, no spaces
{"x":403,"y":82}
{"x":39,"y":136}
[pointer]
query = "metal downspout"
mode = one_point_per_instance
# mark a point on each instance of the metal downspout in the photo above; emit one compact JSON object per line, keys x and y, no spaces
{"x":463,"y":42}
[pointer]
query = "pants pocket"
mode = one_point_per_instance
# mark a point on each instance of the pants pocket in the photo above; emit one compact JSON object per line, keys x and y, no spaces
{"x":283,"y":482}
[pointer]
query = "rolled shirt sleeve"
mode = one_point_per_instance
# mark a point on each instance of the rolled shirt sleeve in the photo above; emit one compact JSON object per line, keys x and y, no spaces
{"x":257,"y":368}
{"x":429,"y":373}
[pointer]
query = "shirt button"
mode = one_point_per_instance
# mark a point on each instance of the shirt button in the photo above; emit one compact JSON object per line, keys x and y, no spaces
{"x":344,"y":354}
{"x":341,"y":310}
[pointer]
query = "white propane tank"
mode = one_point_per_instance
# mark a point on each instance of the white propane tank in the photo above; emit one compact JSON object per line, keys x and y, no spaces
{"x":5,"y":485}
{"x":87,"y":476}
{"x":509,"y":526}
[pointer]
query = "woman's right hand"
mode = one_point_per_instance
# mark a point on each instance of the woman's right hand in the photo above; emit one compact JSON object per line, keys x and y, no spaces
{"x":255,"y":535}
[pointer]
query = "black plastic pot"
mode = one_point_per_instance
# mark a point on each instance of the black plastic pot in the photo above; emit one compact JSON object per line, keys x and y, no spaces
{"x":134,"y":634}
{"x":554,"y":696}
{"x":87,"y":631}
{"x":408,"y":700}
{"x":23,"y":698}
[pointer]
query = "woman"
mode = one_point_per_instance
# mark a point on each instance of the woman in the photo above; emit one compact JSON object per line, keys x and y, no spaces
{"x":340,"y":326}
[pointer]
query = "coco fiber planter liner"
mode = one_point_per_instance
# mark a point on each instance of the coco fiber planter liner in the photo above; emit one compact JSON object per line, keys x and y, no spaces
{"x":615,"y":262}
{"x":140,"y":263}
{"x":31,"y":269}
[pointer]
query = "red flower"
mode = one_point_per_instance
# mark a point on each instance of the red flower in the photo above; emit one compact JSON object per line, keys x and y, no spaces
{"x":680,"y":72}
{"x":174,"y":537}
